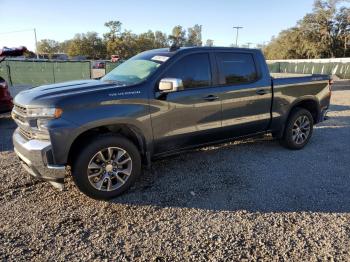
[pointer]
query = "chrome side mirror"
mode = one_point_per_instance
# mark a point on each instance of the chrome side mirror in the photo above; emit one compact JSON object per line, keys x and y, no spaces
{"x":167,"y":85}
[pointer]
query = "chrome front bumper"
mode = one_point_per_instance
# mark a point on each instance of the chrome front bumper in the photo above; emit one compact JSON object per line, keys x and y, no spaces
{"x":33,"y":155}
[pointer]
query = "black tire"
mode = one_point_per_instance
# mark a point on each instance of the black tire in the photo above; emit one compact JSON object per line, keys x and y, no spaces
{"x":80,"y":166}
{"x":288,"y":140}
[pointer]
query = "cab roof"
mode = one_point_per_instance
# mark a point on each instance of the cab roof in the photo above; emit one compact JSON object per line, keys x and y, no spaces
{"x":183,"y":49}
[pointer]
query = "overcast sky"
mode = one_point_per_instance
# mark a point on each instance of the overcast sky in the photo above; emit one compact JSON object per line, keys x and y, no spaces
{"x":60,"y":20}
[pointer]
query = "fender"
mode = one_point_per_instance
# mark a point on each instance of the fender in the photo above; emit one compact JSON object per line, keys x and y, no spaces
{"x":278,"y":123}
{"x":135,"y":116}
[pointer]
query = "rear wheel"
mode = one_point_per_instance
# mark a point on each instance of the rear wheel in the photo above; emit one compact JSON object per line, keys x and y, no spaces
{"x":298,"y":129}
{"x":107,"y":167}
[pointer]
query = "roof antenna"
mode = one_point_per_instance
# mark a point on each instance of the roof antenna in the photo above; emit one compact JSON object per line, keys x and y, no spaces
{"x":173,"y":47}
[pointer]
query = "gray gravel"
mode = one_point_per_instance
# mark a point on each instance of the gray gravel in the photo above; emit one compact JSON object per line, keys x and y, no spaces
{"x":244,"y":200}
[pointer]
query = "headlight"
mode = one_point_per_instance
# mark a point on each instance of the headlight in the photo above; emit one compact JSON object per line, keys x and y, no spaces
{"x":42,"y":132}
{"x":44,"y":112}
{"x":42,"y":124}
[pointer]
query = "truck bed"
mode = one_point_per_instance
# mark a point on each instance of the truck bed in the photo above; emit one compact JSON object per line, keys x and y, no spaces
{"x":290,"y":79}
{"x":287,"y":75}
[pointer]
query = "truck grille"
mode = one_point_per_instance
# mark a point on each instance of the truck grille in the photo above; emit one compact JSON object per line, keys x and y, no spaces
{"x":19,"y":114}
{"x":18,"y":117}
{"x":26,"y":125}
{"x":26,"y":134}
{"x":20,"y":110}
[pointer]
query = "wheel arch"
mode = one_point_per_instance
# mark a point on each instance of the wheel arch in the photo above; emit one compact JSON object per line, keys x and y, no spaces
{"x":126,"y":130}
{"x":309,"y":103}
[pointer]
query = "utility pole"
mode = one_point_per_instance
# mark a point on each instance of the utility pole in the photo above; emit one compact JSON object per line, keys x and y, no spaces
{"x":36,"y":44}
{"x":249,"y":43}
{"x":237,"y":29}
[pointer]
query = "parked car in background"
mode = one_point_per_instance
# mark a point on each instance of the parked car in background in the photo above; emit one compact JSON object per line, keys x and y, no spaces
{"x":156,"y":104}
{"x":6,"y":104}
{"x":99,"y":65}
{"x":115,"y":58}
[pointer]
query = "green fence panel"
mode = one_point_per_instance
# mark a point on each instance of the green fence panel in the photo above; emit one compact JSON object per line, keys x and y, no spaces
{"x":323,"y":68}
{"x":298,"y":68}
{"x":342,"y":70}
{"x":31,"y":72}
{"x":284,"y":67}
{"x":66,"y":71}
{"x":110,"y":66}
{"x":307,"y":68}
{"x":37,"y":73}
{"x":302,"y":67}
{"x":290,"y":67}
{"x":329,"y":68}
{"x":339,"y":69}
{"x":4,"y":71}
{"x":345,"y":71}
{"x":317,"y":68}
{"x":274,"y":67}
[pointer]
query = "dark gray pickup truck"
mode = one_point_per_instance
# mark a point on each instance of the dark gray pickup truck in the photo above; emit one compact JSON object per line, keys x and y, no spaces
{"x":158,"y":103}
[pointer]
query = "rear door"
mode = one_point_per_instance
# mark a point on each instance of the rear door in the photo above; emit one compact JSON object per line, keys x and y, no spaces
{"x":190,"y":116}
{"x":246,"y":97}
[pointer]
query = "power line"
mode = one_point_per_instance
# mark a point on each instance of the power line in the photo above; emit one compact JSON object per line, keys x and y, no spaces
{"x":19,"y":31}
{"x":249,"y":43}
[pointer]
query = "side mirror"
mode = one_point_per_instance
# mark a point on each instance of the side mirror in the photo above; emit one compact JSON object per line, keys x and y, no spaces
{"x":167,"y":85}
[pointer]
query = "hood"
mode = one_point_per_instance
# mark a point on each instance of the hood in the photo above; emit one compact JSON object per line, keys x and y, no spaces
{"x":47,"y":94}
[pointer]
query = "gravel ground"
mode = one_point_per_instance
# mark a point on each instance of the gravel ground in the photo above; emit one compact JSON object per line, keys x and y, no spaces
{"x":245,"y":200}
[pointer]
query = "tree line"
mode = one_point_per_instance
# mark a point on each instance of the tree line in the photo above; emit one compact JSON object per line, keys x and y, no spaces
{"x":120,"y":42}
{"x":324,"y":33}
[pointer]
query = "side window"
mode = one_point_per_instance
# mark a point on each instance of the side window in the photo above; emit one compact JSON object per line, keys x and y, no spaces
{"x":193,"y":70}
{"x":236,"y":68}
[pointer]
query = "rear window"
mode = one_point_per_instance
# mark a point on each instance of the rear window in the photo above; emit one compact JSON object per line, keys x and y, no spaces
{"x":236,"y":68}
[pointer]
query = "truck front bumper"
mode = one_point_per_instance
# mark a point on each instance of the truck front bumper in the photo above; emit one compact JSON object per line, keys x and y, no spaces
{"x":34,"y":155}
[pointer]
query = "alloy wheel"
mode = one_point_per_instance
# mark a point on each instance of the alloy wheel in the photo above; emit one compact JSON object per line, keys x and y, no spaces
{"x":301,"y":129}
{"x":109,"y":169}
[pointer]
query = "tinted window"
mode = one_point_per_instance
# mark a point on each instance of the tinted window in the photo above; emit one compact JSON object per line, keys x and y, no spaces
{"x":236,"y":68}
{"x":193,"y":70}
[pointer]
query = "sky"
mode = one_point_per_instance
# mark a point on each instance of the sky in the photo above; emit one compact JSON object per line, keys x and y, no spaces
{"x":62,"y":19}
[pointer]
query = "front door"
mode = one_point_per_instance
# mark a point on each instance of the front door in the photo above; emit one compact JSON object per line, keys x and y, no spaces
{"x":191,"y":116}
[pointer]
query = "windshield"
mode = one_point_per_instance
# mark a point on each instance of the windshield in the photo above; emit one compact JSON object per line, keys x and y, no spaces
{"x":136,"y":69}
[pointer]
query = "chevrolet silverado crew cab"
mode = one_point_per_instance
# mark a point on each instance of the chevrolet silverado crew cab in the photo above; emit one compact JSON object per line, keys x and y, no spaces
{"x":158,"y":103}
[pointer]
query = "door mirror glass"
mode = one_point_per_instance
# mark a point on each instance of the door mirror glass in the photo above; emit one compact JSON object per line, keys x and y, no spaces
{"x":167,"y":85}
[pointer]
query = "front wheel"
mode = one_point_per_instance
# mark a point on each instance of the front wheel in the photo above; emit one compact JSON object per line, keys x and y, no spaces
{"x":299,"y":128}
{"x":107,"y":167}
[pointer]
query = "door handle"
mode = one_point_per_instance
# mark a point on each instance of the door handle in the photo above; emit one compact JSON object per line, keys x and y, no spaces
{"x":211,"y":98}
{"x":261,"y":92}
